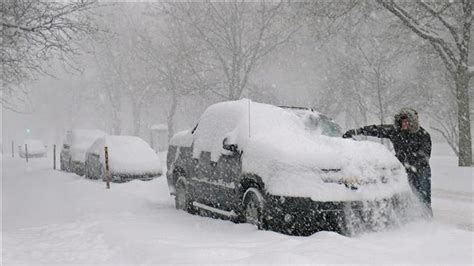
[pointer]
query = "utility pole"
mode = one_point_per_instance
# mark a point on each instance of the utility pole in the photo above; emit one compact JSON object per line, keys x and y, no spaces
{"x":26,"y":152}
{"x":54,"y":156}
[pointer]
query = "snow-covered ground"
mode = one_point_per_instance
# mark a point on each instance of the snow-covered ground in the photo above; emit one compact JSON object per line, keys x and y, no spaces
{"x":54,"y":217}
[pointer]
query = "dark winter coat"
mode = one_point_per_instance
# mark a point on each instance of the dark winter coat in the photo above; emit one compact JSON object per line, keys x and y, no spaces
{"x":412,"y":148}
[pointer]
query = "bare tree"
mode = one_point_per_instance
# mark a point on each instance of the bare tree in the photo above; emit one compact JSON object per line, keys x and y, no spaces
{"x":380,"y":65}
{"x":235,"y":37}
{"x":441,"y":96}
{"x":127,"y":74}
{"x":34,"y":32}
{"x":366,"y":65}
{"x":328,"y":18}
{"x":108,"y":88}
{"x":342,"y":30}
{"x":445,"y":119}
{"x":446,"y":25}
{"x":176,"y":61}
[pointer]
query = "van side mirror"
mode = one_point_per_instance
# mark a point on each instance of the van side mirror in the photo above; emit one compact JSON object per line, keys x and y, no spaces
{"x":230,"y":147}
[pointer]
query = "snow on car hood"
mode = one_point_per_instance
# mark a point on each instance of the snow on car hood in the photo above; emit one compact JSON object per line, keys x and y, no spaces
{"x":325,"y":169}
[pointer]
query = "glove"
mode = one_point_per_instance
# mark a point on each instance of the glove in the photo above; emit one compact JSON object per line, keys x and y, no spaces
{"x":349,"y":134}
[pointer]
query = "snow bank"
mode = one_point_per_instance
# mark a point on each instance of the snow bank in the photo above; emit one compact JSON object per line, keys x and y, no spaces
{"x":289,"y":155}
{"x":57,"y":218}
{"x":82,"y":139}
{"x":128,"y":155}
{"x":35,"y":147}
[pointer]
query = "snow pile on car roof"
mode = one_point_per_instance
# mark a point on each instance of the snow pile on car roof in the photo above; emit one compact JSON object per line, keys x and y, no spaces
{"x":35,"y":146}
{"x":130,"y":155}
{"x":295,"y":161}
{"x":82,"y":139}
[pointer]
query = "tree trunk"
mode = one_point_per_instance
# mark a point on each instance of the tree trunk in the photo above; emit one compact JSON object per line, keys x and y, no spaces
{"x":380,"y":102}
{"x":116,"y":127}
{"x":116,"y":123}
{"x":136,"y":112}
{"x":116,"y":105}
{"x":464,"y":121}
{"x":171,"y":113}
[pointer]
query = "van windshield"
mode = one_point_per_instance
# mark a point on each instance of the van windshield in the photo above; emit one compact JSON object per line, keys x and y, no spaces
{"x":329,"y":128}
{"x":322,"y":125}
{"x":318,"y":123}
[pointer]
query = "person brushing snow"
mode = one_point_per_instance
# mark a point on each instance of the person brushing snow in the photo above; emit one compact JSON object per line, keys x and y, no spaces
{"x":412,"y":145}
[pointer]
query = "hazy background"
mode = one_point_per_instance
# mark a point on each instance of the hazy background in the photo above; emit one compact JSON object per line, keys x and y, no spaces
{"x":135,"y":65}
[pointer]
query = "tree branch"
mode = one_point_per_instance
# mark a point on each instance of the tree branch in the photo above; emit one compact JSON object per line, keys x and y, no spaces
{"x":437,"y":15}
{"x":421,"y":31}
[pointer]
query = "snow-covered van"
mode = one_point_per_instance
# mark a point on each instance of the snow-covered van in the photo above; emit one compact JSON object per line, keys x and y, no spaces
{"x":282,"y":169}
{"x":73,"y":152}
{"x":130,"y":158}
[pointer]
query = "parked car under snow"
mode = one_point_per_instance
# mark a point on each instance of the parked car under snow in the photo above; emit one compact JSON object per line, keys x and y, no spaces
{"x":281,"y":169}
{"x":73,"y":152}
{"x":129,"y":158}
{"x":35,"y":147}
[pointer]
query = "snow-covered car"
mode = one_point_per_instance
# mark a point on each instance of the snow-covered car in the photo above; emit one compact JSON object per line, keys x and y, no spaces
{"x":129,"y":158}
{"x":73,"y":152}
{"x":282,"y":169}
{"x":35,"y":147}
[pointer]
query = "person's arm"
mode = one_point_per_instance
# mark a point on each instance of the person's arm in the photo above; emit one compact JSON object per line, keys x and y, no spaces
{"x":379,"y":131}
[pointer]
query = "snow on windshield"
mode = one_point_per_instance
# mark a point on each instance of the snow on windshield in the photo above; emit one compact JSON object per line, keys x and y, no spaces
{"x":317,"y":123}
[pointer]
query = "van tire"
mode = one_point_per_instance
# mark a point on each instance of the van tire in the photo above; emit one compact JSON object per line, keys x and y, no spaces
{"x":182,"y":198}
{"x":253,"y":211}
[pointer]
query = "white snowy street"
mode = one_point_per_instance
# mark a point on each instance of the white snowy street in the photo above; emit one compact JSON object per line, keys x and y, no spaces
{"x":52,"y":217}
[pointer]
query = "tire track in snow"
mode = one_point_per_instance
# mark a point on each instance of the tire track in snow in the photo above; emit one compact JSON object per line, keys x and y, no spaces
{"x":454,"y":195}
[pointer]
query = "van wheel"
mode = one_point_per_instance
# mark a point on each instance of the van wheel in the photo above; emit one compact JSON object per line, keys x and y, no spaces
{"x":253,"y":208}
{"x":182,"y":200}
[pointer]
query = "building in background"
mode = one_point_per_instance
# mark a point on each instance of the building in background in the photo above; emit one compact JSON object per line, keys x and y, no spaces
{"x":159,"y":137}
